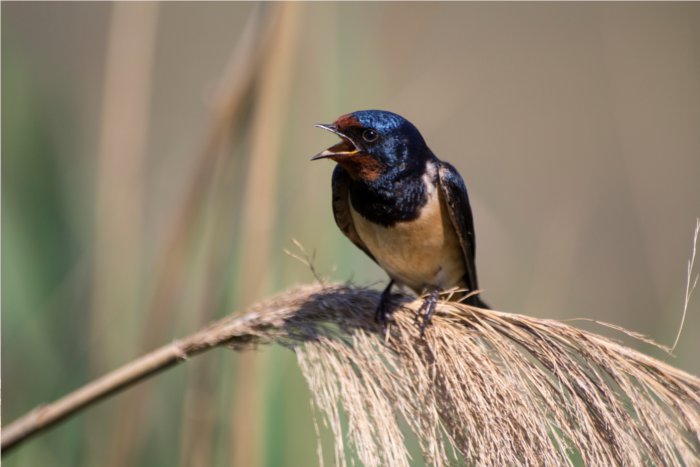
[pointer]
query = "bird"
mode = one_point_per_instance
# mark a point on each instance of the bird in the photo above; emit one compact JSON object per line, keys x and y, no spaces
{"x":402,"y":206}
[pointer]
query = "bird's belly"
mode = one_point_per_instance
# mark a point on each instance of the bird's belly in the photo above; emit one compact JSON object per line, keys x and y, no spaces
{"x":423,"y":253}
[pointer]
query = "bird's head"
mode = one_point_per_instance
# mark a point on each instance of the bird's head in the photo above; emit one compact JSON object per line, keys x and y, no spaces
{"x":374,"y":143}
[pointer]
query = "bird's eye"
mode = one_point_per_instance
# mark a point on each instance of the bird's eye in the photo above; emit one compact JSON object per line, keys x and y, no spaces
{"x":370,"y":135}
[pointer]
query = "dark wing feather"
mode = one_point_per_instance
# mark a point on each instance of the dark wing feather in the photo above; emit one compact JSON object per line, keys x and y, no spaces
{"x":454,"y":192}
{"x":341,"y":208}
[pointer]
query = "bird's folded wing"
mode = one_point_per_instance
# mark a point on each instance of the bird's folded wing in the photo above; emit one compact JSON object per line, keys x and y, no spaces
{"x":454,"y":192}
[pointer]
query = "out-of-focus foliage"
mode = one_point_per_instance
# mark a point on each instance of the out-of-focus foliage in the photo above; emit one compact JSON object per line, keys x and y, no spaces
{"x":574,"y":126}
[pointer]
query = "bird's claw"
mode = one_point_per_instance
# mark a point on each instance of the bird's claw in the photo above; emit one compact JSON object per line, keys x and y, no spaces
{"x":426,"y":311}
{"x":383,"y":315}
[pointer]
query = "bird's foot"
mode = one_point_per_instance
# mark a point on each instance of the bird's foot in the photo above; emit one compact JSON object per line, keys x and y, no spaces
{"x":383,"y":315}
{"x":426,"y":311}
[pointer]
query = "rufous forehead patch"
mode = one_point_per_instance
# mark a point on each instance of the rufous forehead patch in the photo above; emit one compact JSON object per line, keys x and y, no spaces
{"x":347,"y":120}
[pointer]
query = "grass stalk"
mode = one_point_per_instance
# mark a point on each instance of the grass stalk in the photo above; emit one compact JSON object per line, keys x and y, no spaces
{"x":483,"y":386}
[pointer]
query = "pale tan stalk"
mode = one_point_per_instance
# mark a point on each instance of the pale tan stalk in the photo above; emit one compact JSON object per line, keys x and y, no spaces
{"x":119,"y":216}
{"x":484,"y":387}
{"x":259,"y":224}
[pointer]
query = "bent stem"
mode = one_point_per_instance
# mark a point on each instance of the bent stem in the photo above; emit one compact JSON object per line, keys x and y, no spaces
{"x":482,"y":386}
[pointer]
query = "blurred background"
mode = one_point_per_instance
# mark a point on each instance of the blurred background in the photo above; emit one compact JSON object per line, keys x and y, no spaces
{"x":156,"y":166}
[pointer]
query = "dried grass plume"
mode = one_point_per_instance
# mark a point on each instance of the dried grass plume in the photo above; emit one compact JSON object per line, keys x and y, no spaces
{"x":483,"y":387}
{"x":492,"y":388}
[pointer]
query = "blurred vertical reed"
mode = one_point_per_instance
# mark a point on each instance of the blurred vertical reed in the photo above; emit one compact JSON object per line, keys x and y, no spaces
{"x":196,"y":238}
{"x":221,"y":238}
{"x":118,"y":247}
{"x":272,"y":95}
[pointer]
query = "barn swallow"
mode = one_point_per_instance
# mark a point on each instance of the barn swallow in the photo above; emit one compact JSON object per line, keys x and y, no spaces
{"x":405,"y":208}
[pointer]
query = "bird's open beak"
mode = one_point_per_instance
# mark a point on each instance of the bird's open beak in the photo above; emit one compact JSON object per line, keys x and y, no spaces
{"x":345,"y":148}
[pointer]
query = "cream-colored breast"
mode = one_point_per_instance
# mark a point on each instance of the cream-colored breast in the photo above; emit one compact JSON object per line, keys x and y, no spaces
{"x":421,"y":254}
